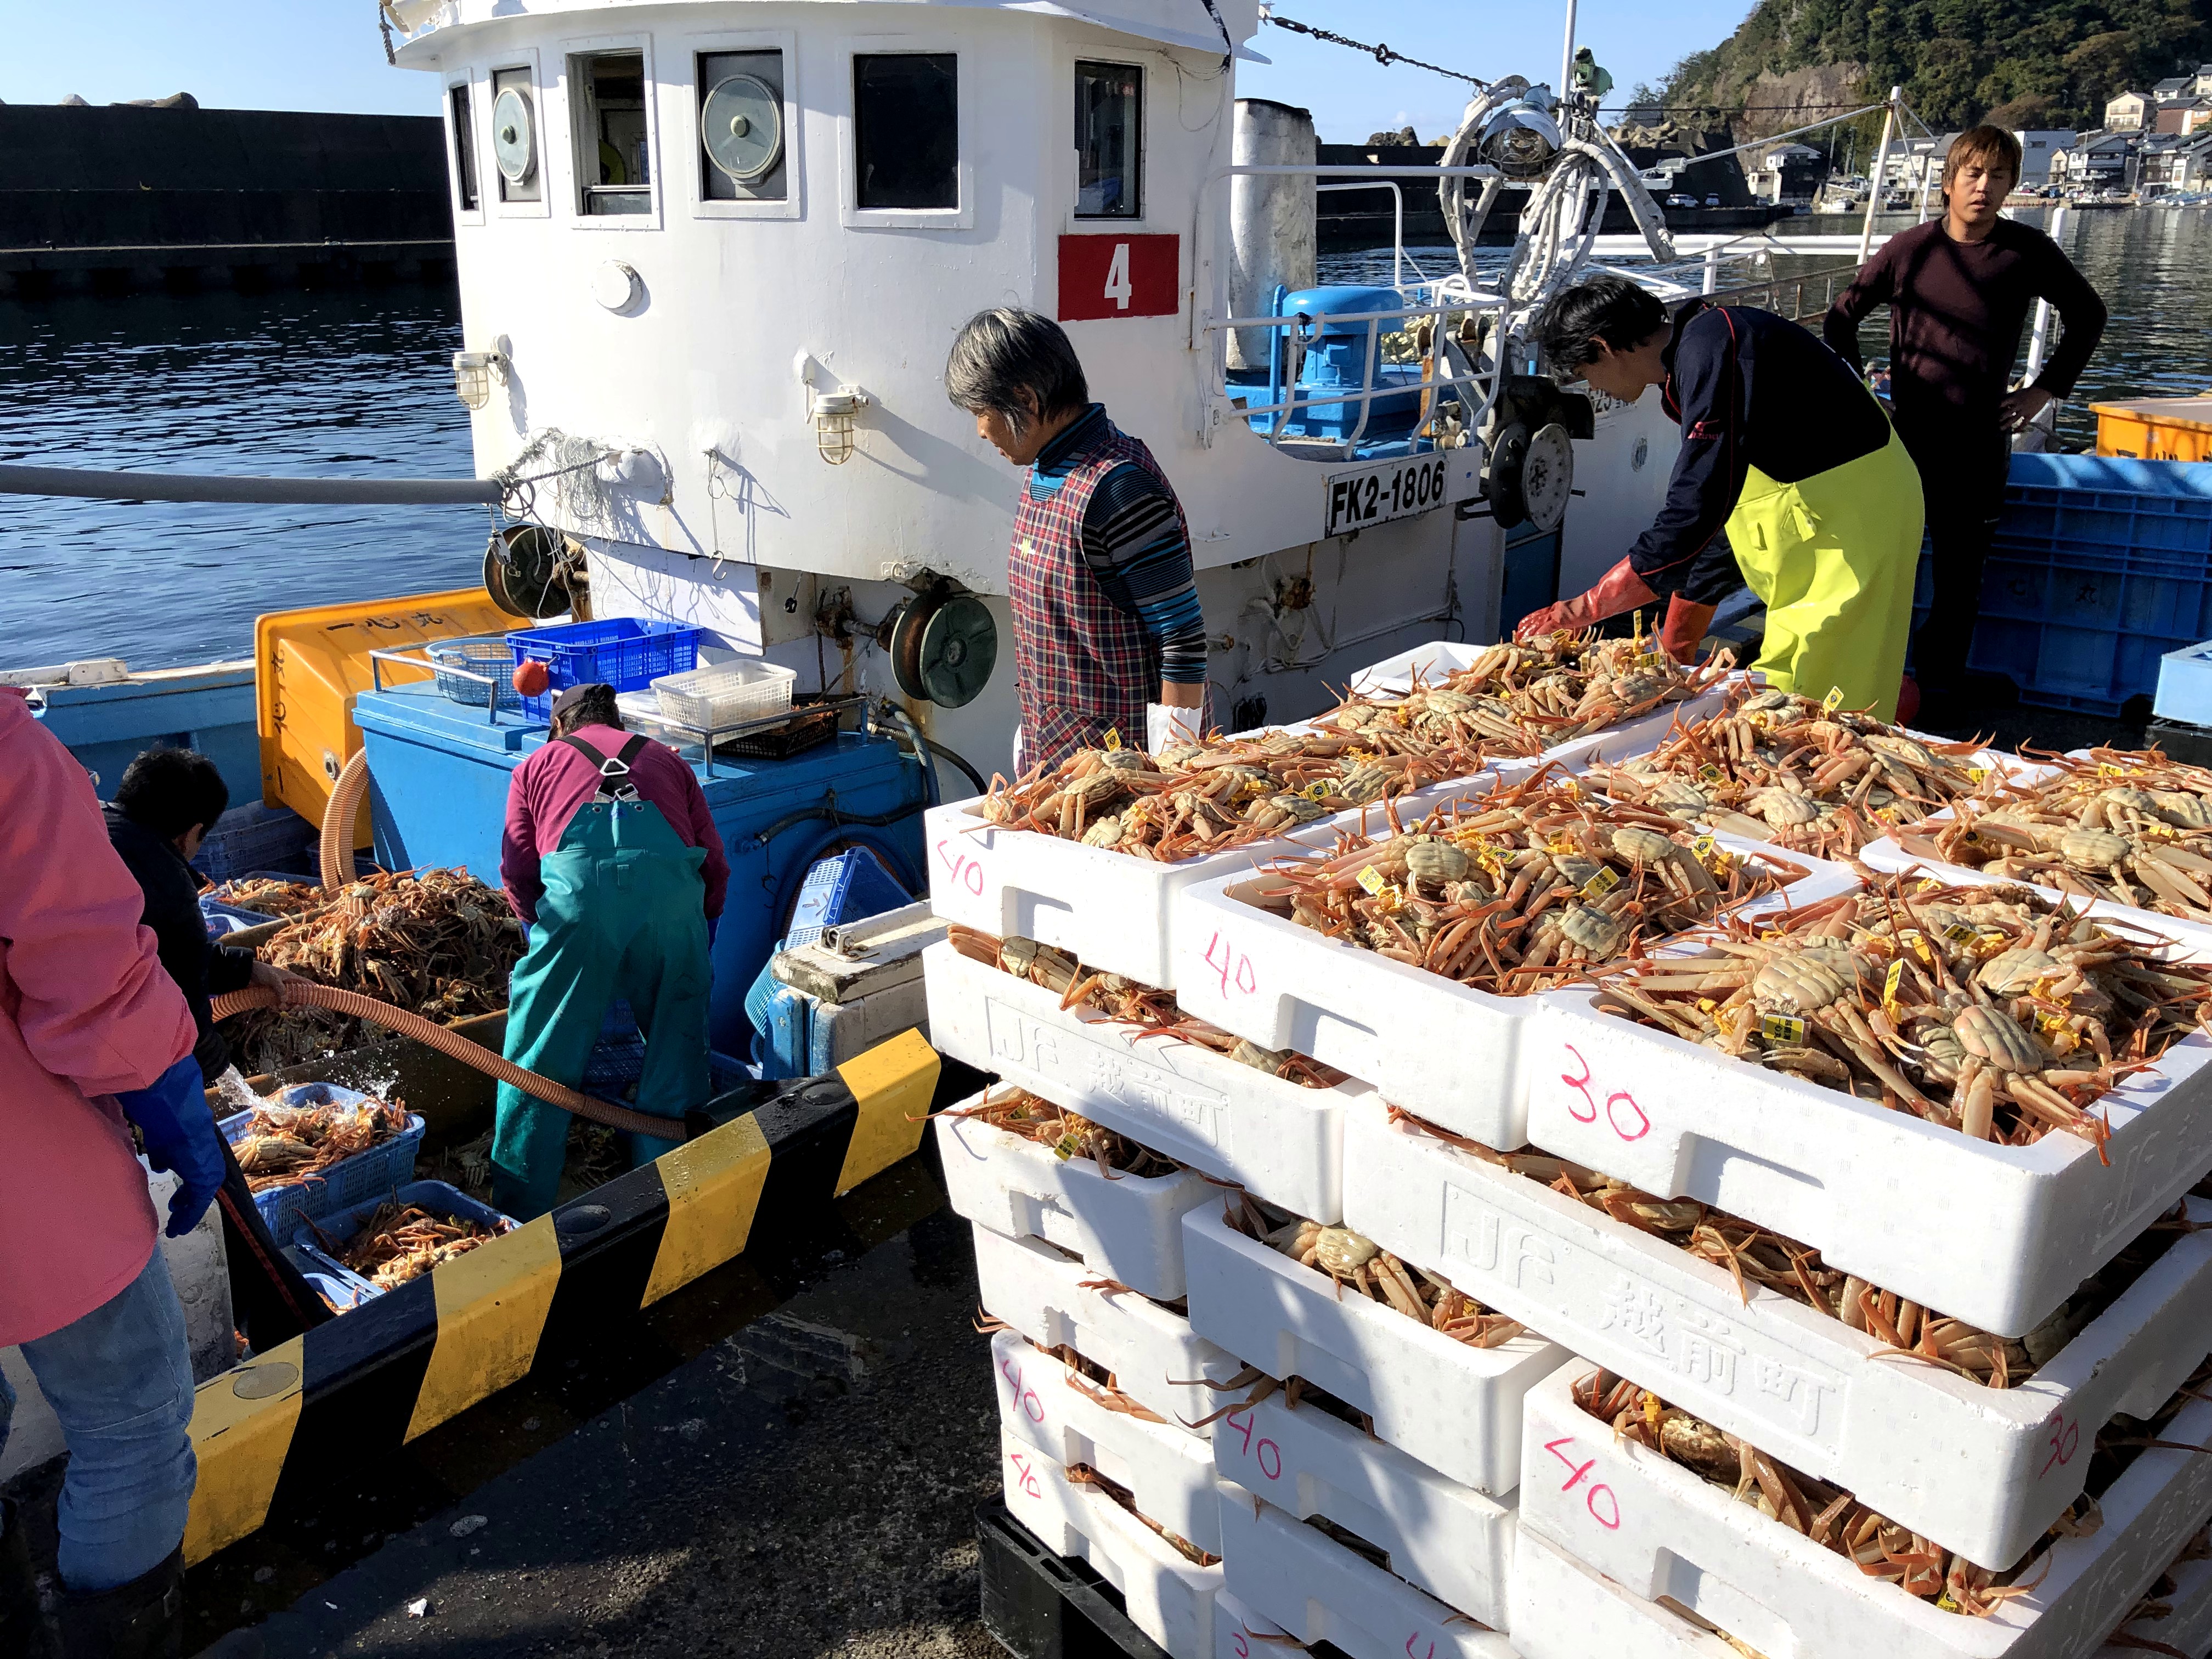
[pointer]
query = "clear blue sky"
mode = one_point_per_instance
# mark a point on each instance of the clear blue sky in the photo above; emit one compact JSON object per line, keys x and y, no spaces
{"x":325,"y":54}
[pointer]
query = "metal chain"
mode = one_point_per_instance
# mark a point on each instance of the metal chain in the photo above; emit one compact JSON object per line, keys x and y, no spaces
{"x":383,"y":24}
{"x":1381,"y":54}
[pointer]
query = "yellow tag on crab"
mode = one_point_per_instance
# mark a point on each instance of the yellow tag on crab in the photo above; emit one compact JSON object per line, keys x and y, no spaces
{"x":1978,"y":773}
{"x":1706,"y":848}
{"x":1711,"y":774}
{"x":1834,"y":699}
{"x":1782,"y":1028}
{"x":1911,"y":938}
{"x":1113,"y":738}
{"x":1371,"y":879}
{"x":1601,"y":884}
{"x":1958,"y":933}
{"x":1067,"y":1147}
{"x":1572,"y":788}
{"x":1889,"y":984}
{"x":1316,"y":792}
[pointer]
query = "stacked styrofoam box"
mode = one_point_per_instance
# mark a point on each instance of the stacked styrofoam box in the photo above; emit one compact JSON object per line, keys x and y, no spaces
{"x":1452,"y":1053}
{"x":1068,"y":1257}
{"x":1118,"y":913}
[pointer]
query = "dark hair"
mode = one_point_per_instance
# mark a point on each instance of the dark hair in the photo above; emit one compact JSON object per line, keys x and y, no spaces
{"x":1002,"y":353}
{"x":1985,"y":144}
{"x":595,"y":707}
{"x":170,"y":791}
{"x":1608,"y":308}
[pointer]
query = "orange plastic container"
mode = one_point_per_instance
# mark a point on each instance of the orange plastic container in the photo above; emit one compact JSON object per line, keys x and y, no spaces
{"x":309,"y":665}
{"x":2156,"y":428}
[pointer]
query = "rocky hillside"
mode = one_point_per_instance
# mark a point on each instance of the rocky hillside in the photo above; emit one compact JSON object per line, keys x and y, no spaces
{"x":2019,"y":63}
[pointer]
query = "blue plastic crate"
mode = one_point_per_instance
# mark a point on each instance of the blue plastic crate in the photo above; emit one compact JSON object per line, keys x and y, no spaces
{"x":251,"y":837}
{"x":848,"y":886}
{"x":2100,"y":568}
{"x":623,"y":652}
{"x":321,"y":1241}
{"x":224,"y":920}
{"x":349,"y":1181}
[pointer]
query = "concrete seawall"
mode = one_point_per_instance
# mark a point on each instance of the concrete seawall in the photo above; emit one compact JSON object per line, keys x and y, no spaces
{"x":127,"y":197}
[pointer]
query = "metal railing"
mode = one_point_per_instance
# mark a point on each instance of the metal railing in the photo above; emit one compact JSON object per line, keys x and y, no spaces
{"x":1769,"y":296}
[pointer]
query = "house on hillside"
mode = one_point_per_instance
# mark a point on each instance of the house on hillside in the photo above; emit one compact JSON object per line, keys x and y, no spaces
{"x":2173,"y":89}
{"x":2171,"y":163}
{"x":2129,"y":112}
{"x":1788,"y":175}
{"x":2036,"y":148}
{"x":2099,"y":160}
{"x":2182,"y":116}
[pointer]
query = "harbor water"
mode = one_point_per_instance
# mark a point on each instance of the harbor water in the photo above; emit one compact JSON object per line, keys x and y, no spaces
{"x":359,"y":383}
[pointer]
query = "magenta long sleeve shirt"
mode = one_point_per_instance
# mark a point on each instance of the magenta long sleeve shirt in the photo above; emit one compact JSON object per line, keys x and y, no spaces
{"x":550,"y":785}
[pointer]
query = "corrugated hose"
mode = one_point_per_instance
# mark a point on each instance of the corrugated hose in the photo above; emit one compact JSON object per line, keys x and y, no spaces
{"x":306,"y":993}
{"x":337,"y":822}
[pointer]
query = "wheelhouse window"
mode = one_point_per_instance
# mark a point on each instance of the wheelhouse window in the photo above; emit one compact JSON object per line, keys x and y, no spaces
{"x":515,"y":136}
{"x":741,"y":137}
{"x":614,"y":162}
{"x":906,"y":130}
{"x":1109,"y":145}
{"x":465,"y":150}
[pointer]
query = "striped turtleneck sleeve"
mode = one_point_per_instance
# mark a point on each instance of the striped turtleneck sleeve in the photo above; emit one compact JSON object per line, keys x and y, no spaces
{"x":1134,"y":545}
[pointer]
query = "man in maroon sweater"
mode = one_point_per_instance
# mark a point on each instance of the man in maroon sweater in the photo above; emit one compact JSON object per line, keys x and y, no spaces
{"x":613,"y":863}
{"x":1958,"y":291}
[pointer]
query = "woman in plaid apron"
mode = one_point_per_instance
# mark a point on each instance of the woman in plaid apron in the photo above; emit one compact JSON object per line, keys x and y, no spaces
{"x":1109,"y":643}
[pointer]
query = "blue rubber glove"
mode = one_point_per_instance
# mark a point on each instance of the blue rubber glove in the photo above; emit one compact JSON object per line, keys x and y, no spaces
{"x":180,"y":1136}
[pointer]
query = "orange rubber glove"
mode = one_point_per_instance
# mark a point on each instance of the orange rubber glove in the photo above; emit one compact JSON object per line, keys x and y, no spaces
{"x":1619,"y":590}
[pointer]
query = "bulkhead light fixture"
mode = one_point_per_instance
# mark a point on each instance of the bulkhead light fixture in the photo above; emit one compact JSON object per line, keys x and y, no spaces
{"x":473,"y":376}
{"x":835,"y":413}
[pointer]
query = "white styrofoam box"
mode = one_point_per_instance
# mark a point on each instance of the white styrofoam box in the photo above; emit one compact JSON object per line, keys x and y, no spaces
{"x":2188,"y":1627}
{"x":1113,"y":911}
{"x":1996,"y":1236}
{"x":1319,"y":1591}
{"x":1450,"y":1052}
{"x":1169,"y":1471}
{"x":1657,"y":1529}
{"x":1234,"y":1122}
{"x":1240,"y":1633}
{"x":1445,"y":1537}
{"x":1456,"y":1408}
{"x":1563,"y":1610}
{"x":1167,"y":1596}
{"x":199,"y":1268}
{"x":1890,"y":858}
{"x":1126,"y":1227}
{"x":1156,"y":1358}
{"x":1978,"y":1469}
{"x":1117,"y":913}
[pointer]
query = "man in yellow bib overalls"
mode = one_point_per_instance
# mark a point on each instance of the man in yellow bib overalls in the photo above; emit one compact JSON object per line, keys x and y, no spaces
{"x":1787,"y":464}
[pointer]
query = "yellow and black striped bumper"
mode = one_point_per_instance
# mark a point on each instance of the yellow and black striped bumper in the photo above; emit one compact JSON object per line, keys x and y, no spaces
{"x":398,"y":1366}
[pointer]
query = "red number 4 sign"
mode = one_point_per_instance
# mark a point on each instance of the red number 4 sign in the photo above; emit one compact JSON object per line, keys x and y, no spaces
{"x":1102,"y":276}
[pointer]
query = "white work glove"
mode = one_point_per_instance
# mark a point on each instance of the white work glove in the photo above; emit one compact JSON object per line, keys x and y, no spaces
{"x":1167,"y":726}
{"x":1021,"y":746}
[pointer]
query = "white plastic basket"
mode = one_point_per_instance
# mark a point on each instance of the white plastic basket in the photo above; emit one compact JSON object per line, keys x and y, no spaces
{"x":1654,"y":1528}
{"x":1981,"y":1470}
{"x":725,"y":694}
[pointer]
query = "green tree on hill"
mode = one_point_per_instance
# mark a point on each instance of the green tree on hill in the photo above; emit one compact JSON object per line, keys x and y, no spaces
{"x":2018,"y":63}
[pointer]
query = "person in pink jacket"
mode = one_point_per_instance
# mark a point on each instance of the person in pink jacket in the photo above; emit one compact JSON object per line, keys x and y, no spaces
{"x":93,"y":1038}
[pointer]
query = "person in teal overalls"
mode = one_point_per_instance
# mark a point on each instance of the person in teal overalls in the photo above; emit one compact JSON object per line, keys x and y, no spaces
{"x":617,"y":871}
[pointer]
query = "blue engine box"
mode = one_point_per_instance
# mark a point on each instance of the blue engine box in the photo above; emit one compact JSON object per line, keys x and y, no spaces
{"x":438,"y":782}
{"x":1334,"y":358}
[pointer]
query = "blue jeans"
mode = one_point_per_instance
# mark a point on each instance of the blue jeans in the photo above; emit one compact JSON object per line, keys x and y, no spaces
{"x":120,"y":1379}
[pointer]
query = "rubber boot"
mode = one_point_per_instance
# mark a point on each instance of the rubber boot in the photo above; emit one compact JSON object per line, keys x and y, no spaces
{"x":23,"y":1628}
{"x":142,"y":1620}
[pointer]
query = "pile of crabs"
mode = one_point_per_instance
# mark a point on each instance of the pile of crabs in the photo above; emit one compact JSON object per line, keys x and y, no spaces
{"x":1512,"y":702}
